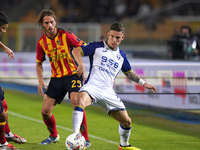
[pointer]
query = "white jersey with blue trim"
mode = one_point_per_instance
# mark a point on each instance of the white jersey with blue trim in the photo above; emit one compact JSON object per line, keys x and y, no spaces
{"x":105,"y":63}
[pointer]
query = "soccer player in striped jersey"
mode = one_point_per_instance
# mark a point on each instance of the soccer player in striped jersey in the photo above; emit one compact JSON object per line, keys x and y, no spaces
{"x":106,"y":60}
{"x":55,"y":44}
{"x":5,"y":133}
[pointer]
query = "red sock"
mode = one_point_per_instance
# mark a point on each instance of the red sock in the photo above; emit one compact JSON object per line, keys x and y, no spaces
{"x":83,"y":127}
{"x":2,"y":133}
{"x":5,"y":106}
{"x":7,"y":129}
{"x":51,"y":126}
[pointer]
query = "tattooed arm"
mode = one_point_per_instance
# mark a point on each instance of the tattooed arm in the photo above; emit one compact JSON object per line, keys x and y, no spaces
{"x":134,"y":77}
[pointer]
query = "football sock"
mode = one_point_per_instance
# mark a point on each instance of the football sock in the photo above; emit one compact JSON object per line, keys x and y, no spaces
{"x":77,"y":118}
{"x":51,"y":126}
{"x":9,"y":134}
{"x":2,"y":133}
{"x":83,"y":128}
{"x":7,"y":129}
{"x":124,"y":135}
{"x":5,"y":106}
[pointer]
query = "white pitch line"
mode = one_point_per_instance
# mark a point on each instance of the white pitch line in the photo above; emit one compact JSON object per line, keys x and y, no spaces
{"x":58,"y":126}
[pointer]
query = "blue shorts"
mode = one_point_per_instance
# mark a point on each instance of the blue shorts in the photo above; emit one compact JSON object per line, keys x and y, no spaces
{"x":1,"y":94}
{"x":1,"y":98}
{"x":58,"y":87}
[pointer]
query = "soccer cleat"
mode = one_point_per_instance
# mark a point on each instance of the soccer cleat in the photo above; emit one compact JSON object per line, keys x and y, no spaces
{"x":129,"y":147}
{"x":8,"y":147}
{"x":16,"y":139}
{"x":50,"y":140}
{"x":87,"y":144}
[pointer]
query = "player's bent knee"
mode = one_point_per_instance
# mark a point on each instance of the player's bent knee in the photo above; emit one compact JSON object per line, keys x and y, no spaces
{"x":126,"y":123}
{"x":45,"y":114}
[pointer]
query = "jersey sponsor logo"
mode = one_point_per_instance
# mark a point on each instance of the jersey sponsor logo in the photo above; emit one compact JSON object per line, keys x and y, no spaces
{"x":54,"y":49}
{"x":58,"y":57}
{"x":107,"y":71}
{"x":110,"y":63}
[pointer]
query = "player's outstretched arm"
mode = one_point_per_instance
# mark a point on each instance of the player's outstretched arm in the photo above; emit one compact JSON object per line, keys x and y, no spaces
{"x":8,"y":51}
{"x":134,"y":77}
{"x":150,"y":87}
{"x":78,"y":58}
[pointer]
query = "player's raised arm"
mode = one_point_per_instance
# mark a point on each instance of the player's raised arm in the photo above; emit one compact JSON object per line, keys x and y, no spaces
{"x":134,"y":77}
{"x":76,"y":52}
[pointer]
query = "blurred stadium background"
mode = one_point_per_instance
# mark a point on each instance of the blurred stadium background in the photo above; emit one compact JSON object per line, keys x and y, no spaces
{"x":149,"y":24}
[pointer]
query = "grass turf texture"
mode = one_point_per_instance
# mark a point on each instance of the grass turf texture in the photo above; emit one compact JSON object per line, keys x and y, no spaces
{"x":148,"y":132}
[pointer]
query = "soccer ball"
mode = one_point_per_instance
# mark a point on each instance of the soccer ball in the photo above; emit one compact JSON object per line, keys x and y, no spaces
{"x":75,"y":141}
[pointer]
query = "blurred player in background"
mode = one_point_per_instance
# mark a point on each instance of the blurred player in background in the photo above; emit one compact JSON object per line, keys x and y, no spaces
{"x":5,"y":133}
{"x":107,"y":59}
{"x":56,"y":45}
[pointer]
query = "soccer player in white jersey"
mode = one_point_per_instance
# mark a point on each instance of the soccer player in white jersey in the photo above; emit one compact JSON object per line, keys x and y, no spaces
{"x":106,"y":60}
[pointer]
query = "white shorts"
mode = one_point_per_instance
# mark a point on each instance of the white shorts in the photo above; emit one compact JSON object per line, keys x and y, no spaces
{"x":106,"y":97}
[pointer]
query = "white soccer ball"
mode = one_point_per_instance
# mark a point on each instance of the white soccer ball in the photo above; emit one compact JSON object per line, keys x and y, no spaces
{"x":75,"y":141}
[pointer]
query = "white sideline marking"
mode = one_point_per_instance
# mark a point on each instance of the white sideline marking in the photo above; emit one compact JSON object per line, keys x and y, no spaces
{"x":58,"y":126}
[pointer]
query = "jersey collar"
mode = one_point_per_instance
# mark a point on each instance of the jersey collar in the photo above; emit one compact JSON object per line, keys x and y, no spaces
{"x":108,"y":47}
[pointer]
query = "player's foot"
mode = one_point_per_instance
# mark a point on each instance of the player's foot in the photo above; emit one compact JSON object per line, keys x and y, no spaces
{"x":129,"y":147}
{"x":50,"y":140}
{"x":16,"y":139}
{"x":8,"y":147}
{"x":87,"y":144}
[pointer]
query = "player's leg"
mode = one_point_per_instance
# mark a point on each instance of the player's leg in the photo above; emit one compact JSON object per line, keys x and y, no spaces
{"x":83,"y":127}
{"x":3,"y":143}
{"x":124,"y":129}
{"x":2,"y":126}
{"x":73,"y":88}
{"x":8,"y":134}
{"x":83,"y":100}
{"x":49,"y":119}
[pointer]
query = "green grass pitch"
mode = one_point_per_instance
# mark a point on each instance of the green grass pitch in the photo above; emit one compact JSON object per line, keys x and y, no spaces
{"x":148,"y":132}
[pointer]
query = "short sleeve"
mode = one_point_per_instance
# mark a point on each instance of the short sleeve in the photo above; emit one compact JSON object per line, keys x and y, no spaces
{"x":126,"y":67}
{"x":73,"y":40}
{"x":88,"y":49}
{"x":40,"y":56}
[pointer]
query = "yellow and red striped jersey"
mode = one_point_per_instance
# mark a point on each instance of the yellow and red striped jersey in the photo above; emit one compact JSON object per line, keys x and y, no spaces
{"x":58,"y":51}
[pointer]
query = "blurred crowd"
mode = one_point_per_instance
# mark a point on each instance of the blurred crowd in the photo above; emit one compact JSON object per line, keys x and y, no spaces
{"x":102,"y":10}
{"x":6,"y":5}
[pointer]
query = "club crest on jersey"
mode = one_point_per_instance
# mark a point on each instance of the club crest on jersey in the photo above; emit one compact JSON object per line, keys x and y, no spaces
{"x":58,"y":42}
{"x":118,"y":57}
